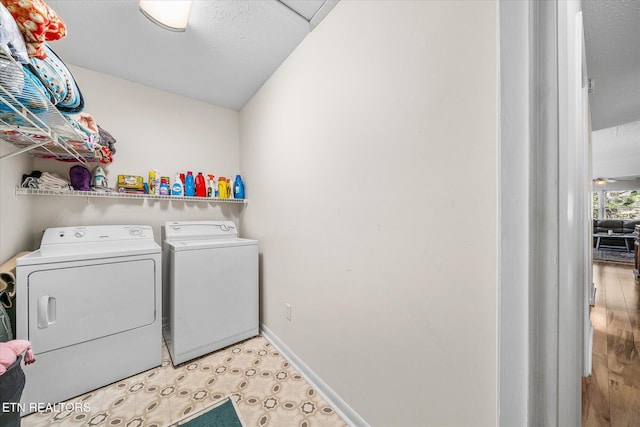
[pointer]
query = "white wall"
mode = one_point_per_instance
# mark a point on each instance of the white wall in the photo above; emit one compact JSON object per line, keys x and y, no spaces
{"x":373,"y":157}
{"x":616,"y":151}
{"x":15,"y":212}
{"x":154,"y":130}
{"x":616,"y":154}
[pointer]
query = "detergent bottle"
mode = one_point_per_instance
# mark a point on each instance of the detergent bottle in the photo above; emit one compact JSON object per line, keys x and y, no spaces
{"x":164,"y":187}
{"x":238,"y":188}
{"x":177,"y":189}
{"x":211,"y":188}
{"x":201,"y":186}
{"x":154,"y":182}
{"x":189,"y":185}
{"x":222,"y":189}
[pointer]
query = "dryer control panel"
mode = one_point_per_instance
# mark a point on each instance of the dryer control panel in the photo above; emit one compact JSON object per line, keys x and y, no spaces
{"x":95,"y":234}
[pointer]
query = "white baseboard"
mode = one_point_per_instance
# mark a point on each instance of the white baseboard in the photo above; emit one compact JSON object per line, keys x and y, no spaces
{"x":350,"y":416}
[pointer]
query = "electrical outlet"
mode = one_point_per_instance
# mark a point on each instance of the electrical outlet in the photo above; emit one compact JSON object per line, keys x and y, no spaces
{"x":288,"y":306}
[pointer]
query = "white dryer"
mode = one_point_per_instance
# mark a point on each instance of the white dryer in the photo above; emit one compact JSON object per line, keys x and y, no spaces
{"x":89,"y":300}
{"x":211,"y":287}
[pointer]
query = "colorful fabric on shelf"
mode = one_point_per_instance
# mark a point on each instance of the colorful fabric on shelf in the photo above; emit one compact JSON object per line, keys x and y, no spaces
{"x":87,"y":120}
{"x":25,"y":87}
{"x":37,"y":23}
{"x":63,"y":91}
{"x":107,"y":140}
{"x":104,"y":154}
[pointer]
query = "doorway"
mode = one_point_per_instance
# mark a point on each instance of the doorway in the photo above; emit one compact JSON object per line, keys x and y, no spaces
{"x":544,"y":214}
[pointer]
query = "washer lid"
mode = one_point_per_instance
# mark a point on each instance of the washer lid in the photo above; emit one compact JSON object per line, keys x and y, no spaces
{"x":199,"y":230}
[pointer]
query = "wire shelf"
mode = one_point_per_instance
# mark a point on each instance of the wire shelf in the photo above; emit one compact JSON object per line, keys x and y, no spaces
{"x":21,"y":191}
{"x":31,"y":123}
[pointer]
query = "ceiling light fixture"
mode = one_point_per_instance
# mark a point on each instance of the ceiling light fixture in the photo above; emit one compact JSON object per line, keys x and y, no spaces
{"x":171,"y":15}
{"x":602,"y":181}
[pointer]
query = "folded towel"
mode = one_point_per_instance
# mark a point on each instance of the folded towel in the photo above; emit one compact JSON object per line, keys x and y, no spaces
{"x":52,"y":181}
{"x":52,"y":178}
{"x":45,"y":181}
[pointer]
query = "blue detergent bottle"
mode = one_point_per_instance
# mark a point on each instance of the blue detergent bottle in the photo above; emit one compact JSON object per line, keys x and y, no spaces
{"x":189,"y":185}
{"x":238,"y":188}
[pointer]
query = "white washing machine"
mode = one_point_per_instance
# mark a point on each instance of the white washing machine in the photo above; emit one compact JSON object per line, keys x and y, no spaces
{"x":211,"y":287}
{"x":89,"y":300}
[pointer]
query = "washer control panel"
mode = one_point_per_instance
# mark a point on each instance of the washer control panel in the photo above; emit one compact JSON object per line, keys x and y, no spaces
{"x":195,"y":230}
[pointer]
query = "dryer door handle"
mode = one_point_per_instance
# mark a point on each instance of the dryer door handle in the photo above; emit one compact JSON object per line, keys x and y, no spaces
{"x":46,"y":311}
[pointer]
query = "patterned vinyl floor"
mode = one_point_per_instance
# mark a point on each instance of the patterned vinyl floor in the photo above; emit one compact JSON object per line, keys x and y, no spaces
{"x":266,"y":389}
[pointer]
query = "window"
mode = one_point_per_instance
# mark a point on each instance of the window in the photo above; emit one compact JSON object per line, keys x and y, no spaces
{"x":617,"y":204}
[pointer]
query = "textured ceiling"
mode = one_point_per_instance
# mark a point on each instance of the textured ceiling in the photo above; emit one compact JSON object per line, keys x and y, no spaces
{"x":612,"y":38}
{"x":228,"y":51}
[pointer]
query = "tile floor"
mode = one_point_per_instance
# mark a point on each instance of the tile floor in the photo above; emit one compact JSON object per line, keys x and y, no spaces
{"x":266,"y":389}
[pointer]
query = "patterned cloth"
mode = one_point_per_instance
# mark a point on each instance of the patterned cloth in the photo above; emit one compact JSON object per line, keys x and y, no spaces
{"x":37,"y":23}
{"x":54,"y":75}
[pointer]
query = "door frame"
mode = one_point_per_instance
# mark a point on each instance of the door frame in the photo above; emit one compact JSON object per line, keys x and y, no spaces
{"x":542,"y":193}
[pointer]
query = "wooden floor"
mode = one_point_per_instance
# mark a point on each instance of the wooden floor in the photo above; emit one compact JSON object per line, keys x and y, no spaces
{"x":611,"y":395}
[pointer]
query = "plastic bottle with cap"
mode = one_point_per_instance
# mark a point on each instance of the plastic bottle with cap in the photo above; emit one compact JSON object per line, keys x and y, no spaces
{"x":189,"y":185}
{"x":238,"y":188}
{"x":153,"y":181}
{"x":211,"y":187}
{"x":222,"y":189}
{"x":201,"y":186}
{"x":164,"y":187}
{"x":177,"y":189}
